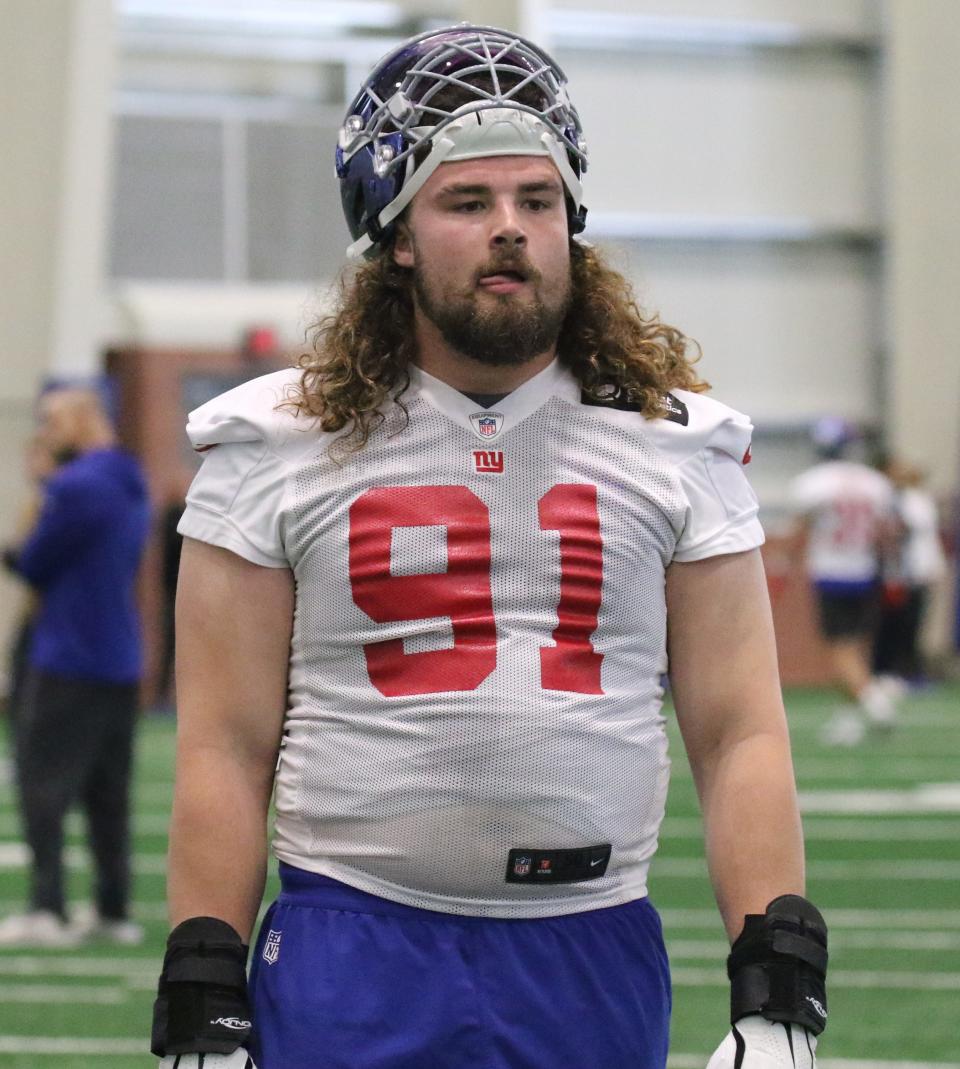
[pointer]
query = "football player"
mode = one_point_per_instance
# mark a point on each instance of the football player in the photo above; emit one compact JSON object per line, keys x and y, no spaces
{"x":431,"y":581}
{"x":846,"y":526}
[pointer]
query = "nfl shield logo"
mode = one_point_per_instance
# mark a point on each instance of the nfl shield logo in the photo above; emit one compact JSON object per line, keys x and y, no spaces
{"x":521,"y":866}
{"x":271,"y":948}
{"x":487,"y":424}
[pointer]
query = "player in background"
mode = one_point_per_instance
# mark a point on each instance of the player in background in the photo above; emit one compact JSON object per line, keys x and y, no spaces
{"x":846,"y":527}
{"x":921,"y":566}
{"x":80,"y":695}
{"x":440,"y":568}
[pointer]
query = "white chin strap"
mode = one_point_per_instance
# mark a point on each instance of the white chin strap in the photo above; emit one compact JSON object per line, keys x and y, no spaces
{"x":489,"y":132}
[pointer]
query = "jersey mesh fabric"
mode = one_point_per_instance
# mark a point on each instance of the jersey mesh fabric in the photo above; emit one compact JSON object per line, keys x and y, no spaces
{"x":415,"y":786}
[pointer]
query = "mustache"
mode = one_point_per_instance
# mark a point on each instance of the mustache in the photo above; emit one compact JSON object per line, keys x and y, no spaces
{"x":518,"y":265}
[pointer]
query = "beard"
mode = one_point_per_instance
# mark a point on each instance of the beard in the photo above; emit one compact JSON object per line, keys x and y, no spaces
{"x":507,"y":332}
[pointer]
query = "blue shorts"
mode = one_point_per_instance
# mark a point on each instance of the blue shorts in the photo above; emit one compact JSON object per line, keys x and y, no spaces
{"x":341,"y":979}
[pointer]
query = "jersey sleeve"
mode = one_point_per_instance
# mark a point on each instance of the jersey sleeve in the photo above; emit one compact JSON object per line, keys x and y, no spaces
{"x":235,"y":502}
{"x":722,"y":508}
{"x":236,"y":499}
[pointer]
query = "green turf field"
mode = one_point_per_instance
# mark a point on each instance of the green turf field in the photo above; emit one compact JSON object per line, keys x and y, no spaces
{"x":883,"y":844}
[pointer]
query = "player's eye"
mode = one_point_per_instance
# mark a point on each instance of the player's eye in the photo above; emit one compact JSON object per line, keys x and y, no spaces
{"x":541,"y":205}
{"x":468,"y":207}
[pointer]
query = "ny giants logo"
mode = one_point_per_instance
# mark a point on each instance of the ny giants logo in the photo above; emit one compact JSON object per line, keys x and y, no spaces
{"x":488,"y":460}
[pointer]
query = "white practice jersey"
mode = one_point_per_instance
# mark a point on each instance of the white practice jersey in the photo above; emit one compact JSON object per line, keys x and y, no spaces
{"x":845,"y":504}
{"x":474,"y":720}
{"x":923,"y":560}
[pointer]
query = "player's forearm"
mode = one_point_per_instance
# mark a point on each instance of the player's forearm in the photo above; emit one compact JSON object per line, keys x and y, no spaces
{"x":752,"y":826}
{"x":218,"y":841}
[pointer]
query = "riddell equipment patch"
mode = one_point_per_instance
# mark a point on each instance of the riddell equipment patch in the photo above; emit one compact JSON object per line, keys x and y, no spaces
{"x":557,"y":866}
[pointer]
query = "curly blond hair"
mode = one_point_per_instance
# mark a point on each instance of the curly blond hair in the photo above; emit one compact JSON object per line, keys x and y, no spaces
{"x":361,"y":352}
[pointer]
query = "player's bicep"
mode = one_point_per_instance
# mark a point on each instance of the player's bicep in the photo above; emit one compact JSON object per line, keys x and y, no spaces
{"x":722,"y":652}
{"x":233,"y":621}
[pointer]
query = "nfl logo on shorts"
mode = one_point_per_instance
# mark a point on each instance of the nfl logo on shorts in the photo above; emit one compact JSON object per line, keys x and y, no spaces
{"x":271,"y":948}
{"x":487,"y":424}
{"x":521,"y":866}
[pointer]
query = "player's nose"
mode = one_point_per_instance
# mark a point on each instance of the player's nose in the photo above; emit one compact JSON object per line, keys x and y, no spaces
{"x":506,"y":227}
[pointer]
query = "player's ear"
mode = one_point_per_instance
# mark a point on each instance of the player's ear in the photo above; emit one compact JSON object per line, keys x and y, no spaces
{"x":403,"y":245}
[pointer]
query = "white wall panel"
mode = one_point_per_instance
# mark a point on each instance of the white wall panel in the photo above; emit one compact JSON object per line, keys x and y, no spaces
{"x":55,"y":59}
{"x":841,"y":16}
{"x":732,"y":135}
{"x":787,"y":333}
{"x":924,"y":279}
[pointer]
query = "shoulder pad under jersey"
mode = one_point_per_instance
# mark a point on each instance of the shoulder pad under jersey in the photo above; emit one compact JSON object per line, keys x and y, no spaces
{"x":694,"y":422}
{"x":691,"y":422}
{"x":251,"y":412}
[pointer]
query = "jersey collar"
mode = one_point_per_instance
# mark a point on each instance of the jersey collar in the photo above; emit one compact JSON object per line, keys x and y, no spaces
{"x":553,"y":381}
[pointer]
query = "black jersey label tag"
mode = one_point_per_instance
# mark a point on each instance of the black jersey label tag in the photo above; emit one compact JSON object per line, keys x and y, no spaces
{"x":673,"y":408}
{"x":614,"y":398}
{"x":557,"y":866}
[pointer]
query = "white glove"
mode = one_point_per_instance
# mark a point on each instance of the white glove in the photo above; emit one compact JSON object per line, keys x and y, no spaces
{"x":238,"y":1060}
{"x":756,"y":1043}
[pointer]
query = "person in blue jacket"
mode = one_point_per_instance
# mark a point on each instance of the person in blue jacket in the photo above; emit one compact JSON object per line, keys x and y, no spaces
{"x":74,"y":738}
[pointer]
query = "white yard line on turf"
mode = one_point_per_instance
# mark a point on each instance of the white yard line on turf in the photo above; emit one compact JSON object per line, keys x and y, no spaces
{"x":26,"y":964}
{"x":839,"y":918}
{"x":14,"y":856}
{"x":685,"y":976}
{"x":814,"y":719}
{"x":871,"y":827}
{"x":70,"y":1045}
{"x":142,"y":911}
{"x":680,"y":867}
{"x":863,"y":768}
{"x":698,"y":1061}
{"x":11,"y":825}
{"x":843,"y":940}
{"x":65,"y":995}
{"x":924,"y":798}
{"x":874,"y":766}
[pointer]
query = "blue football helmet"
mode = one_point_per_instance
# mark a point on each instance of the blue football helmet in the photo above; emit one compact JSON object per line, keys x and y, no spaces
{"x":411,"y":116}
{"x":833,"y":435}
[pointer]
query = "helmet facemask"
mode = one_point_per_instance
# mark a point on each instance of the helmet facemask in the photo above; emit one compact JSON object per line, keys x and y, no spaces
{"x":448,"y":95}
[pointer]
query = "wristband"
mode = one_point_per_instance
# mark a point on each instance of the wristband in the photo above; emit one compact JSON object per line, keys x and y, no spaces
{"x":202,"y":1005}
{"x":778,"y":965}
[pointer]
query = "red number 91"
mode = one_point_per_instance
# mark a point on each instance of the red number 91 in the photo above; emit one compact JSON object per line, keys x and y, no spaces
{"x":462,"y":592}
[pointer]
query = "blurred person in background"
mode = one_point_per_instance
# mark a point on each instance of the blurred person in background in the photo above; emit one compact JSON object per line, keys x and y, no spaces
{"x":845,"y":528}
{"x":39,"y":466}
{"x":75,"y":727}
{"x":919,"y":565}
